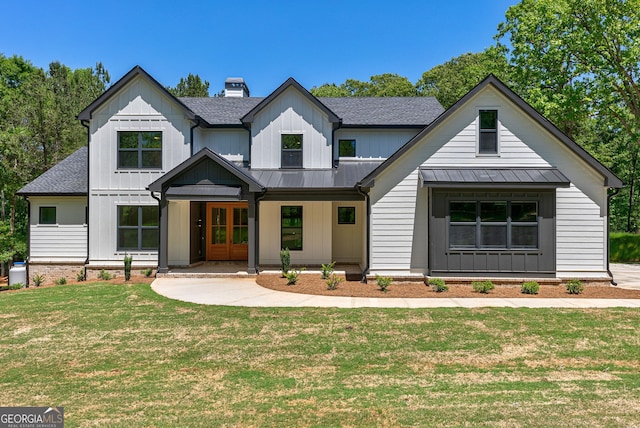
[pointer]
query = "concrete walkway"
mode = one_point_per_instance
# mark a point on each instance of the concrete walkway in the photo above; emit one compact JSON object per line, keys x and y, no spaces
{"x":245,"y":292}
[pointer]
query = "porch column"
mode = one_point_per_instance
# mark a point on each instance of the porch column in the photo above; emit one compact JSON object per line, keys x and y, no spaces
{"x":252,"y":267}
{"x":163,"y":244}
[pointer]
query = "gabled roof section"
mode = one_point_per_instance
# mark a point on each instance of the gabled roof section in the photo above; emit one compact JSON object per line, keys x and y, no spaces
{"x":289,"y":83}
{"x":610,"y":179}
{"x":66,"y":178}
{"x":254,"y":186}
{"x":132,"y":74}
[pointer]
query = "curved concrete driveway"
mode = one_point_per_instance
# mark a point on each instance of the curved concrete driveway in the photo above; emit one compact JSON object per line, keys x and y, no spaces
{"x":245,"y":292}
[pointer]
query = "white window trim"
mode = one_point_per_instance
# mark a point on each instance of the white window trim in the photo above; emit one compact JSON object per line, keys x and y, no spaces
{"x":498,"y":126}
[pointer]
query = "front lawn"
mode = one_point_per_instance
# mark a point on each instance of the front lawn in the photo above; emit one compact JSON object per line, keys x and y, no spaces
{"x":120,"y":355}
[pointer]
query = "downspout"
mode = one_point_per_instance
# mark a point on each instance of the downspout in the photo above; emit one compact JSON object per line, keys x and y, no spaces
{"x":197,"y":119}
{"x":159,"y":227}
{"x":86,"y":125}
{"x":28,"y":238}
{"x":249,"y":132}
{"x":365,"y":270}
{"x":609,"y":196}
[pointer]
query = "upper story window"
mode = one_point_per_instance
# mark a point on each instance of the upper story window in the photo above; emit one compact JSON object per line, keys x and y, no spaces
{"x":488,"y":132}
{"x":140,"y":149}
{"x":47,"y":215}
{"x":347,"y":148}
{"x":291,"y":151}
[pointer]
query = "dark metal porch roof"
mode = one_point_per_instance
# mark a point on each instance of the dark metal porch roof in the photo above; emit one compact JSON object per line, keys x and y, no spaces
{"x":493,"y":177}
{"x":204,"y":192}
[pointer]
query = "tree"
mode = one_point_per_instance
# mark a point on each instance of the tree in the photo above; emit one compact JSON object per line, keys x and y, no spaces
{"x":381,"y":85}
{"x":192,"y":86}
{"x":450,"y":81}
{"x":577,"y":61}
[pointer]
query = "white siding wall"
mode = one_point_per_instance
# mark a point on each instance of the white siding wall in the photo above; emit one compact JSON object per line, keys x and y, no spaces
{"x":137,"y":107}
{"x":291,"y":113}
{"x":65,"y":241}
{"x":178,"y":239}
{"x":347,"y":238}
{"x":233,"y":144}
{"x":375,"y":144}
{"x":580,"y":209}
{"x":316,"y":233}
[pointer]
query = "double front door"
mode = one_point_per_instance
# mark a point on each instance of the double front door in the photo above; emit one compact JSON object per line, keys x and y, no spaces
{"x":227,"y":231}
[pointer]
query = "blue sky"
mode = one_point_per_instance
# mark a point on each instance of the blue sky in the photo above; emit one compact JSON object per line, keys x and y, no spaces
{"x":263,"y":41}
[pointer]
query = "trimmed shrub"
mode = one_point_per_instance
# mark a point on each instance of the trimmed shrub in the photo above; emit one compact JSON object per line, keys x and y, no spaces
{"x":61,"y":281}
{"x":80,"y":276}
{"x":483,"y":286}
{"x":327,"y":270}
{"x":293,"y":276}
{"x":530,"y":287}
{"x":574,"y":286}
{"x":127,"y":267}
{"x":285,"y":261}
{"x":104,"y":275}
{"x":438,"y":285}
{"x":38,"y":280}
{"x":333,"y":281}
{"x":383,"y":282}
{"x":147,"y":272}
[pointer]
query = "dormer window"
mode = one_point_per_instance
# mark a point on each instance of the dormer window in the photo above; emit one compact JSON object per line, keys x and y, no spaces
{"x":488,"y":132}
{"x":291,"y":151}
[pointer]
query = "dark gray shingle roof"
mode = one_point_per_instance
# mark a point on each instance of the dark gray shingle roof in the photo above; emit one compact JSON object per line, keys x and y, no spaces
{"x":69,"y":177}
{"x":354,"y":111}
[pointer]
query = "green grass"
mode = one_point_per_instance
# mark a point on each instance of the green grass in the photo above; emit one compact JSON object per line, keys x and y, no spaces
{"x":119,"y":355}
{"x":624,"y":247}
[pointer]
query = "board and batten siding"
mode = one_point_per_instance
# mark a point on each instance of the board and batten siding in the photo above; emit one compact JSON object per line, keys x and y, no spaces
{"x":232,"y":144}
{"x":65,"y":241}
{"x":375,"y":144}
{"x":316,"y":233}
{"x":291,"y":113}
{"x":137,"y":107}
{"x":580,"y":209}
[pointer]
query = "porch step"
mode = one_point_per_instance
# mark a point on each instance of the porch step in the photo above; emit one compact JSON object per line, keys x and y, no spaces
{"x":205,"y":275}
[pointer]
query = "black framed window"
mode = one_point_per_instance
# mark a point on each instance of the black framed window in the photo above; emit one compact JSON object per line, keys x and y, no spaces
{"x":347,"y":148}
{"x":346,"y":215}
{"x":291,"y":228}
{"x":137,"y":227}
{"x":139,"y":149}
{"x":47,"y":215}
{"x":493,"y":224}
{"x":488,"y":133}
{"x":291,"y":151}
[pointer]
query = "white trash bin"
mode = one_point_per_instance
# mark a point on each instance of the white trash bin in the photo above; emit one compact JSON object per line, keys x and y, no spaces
{"x":18,"y":274}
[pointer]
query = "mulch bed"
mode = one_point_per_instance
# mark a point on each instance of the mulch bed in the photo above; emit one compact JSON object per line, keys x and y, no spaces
{"x":313,"y":284}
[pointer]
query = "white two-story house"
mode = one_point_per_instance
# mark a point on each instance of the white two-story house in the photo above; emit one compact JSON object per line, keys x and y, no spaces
{"x":395,"y":186}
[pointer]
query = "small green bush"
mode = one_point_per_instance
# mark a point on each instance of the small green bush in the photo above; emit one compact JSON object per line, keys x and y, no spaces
{"x":147,"y":272}
{"x":483,"y":287}
{"x":333,"y":281}
{"x":438,"y":285}
{"x":285,"y":261}
{"x":530,"y":287}
{"x":38,"y":280}
{"x":127,"y":267}
{"x":16,"y":286}
{"x":293,"y":276}
{"x":80,"y":276}
{"x":61,"y":281}
{"x":104,"y":275}
{"x":383,"y":282}
{"x":574,"y":286}
{"x":327,"y":270}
